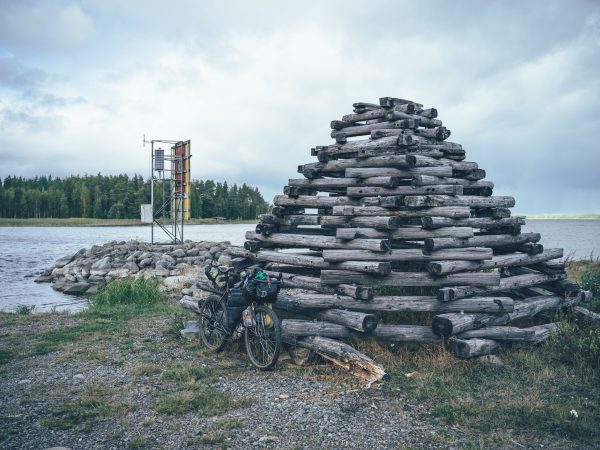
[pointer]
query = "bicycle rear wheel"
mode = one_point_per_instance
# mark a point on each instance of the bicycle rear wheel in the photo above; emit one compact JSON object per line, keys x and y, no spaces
{"x":213,"y":323}
{"x":263,"y":341}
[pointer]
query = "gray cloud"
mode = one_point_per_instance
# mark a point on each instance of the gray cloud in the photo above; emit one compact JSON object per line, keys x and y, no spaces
{"x":254,"y":85}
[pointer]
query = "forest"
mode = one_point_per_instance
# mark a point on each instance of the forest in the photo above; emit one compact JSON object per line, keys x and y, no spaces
{"x":119,"y":197}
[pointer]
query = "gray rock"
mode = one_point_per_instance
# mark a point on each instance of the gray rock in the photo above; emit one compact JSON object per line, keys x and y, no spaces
{"x":63,"y":261}
{"x":76,"y":288}
{"x":132,"y":267}
{"x":193,"y":251}
{"x":101,"y":264}
{"x":179,"y":253}
{"x":146,"y":262}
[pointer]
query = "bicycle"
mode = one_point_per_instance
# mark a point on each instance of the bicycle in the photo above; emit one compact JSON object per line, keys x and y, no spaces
{"x":259,"y":323}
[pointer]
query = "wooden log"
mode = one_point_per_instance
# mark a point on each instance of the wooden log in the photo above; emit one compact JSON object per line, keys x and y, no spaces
{"x":324,"y":184}
{"x":426,"y":180}
{"x":328,"y":168}
{"x":381,"y":223}
{"x":313,"y":201}
{"x":500,"y":334}
{"x":509,"y":260}
{"x":471,"y":348}
{"x":293,"y":328}
{"x":359,"y":172}
{"x":364,"y":130}
{"x":390,"y":102}
{"x":340,"y":124}
{"x":314,"y":284}
{"x":506,"y":284}
{"x":370,"y":191}
{"x":450,"y":211}
{"x":585,"y":315}
{"x":404,"y":233}
{"x":355,"y":320}
{"x":475,"y":222}
{"x":488,"y":240}
{"x":472,"y":201}
{"x":344,"y":356}
{"x":374,"y":267}
{"x":411,"y":278}
{"x":403,"y":303}
{"x":439,"y":133}
{"x":494,"y":213}
{"x":291,"y":220}
{"x":423,"y":121}
{"x":408,"y":255}
{"x":377,"y":113}
{"x":299,"y":240}
{"x":404,"y":333}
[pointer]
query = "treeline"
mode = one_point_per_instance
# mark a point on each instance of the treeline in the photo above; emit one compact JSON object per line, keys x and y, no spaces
{"x":119,"y":197}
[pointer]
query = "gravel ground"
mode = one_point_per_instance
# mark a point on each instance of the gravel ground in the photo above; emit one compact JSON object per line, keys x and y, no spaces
{"x":316,"y":406}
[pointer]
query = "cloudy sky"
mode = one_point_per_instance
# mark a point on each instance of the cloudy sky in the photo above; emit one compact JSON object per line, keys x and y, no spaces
{"x":254,"y":85}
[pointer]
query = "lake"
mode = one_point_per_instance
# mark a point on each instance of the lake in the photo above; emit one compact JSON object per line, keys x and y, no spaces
{"x":26,"y":251}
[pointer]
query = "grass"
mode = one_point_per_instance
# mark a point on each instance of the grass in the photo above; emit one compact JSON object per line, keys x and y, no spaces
{"x":24,"y":310}
{"x":205,"y":401}
{"x":89,"y":222}
{"x":96,"y":402}
{"x":188,"y":373}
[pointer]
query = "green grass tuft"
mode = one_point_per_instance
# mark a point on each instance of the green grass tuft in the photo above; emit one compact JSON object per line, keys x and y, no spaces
{"x":24,"y":310}
{"x":206,"y":401}
{"x":128,"y":291}
{"x":188,"y":373}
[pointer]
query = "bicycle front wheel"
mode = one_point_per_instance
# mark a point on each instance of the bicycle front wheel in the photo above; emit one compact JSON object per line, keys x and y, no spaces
{"x":263,"y":340}
{"x":213,"y":323}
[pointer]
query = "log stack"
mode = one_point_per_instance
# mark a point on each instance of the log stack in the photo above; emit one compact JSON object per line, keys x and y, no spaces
{"x":392,"y":218}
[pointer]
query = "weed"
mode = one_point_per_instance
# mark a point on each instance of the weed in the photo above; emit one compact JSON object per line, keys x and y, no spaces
{"x":128,"y":291}
{"x":206,"y":401}
{"x":145,"y":370}
{"x":136,"y":443}
{"x":148,"y":422}
{"x":6,"y":355}
{"x":187,"y":373}
{"x":24,"y":310}
{"x":229,"y":424}
{"x":94,"y":403}
{"x":216,"y":437}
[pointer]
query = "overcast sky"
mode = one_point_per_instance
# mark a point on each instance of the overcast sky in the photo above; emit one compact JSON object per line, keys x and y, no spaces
{"x":254,"y":85}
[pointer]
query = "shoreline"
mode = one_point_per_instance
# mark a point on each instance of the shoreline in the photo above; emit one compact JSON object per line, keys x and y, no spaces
{"x":85,"y":222}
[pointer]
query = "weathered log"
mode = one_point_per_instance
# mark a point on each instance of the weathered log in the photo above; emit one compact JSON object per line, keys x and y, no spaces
{"x":375,"y":267}
{"x":439,"y":133}
{"x":425,"y":180}
{"x":293,"y":328}
{"x":488,"y":240}
{"x":363,"y":130}
{"x":506,"y":284}
{"x":451,"y":323}
{"x":390,"y":102}
{"x":403,"y":333}
{"x":423,"y":121}
{"x":313,"y":201}
{"x":403,"y":303}
{"x":370,"y":191}
{"x":324,"y":184}
{"x":494,"y":213}
{"x":355,"y":320}
{"x":380,"y":223}
{"x":513,"y":259}
{"x":408,"y":255}
{"x":404,"y":233}
{"x":411,"y":278}
{"x":449,"y":211}
{"x":367,"y":172}
{"x":335,"y":167}
{"x":314,"y":284}
{"x":345,"y":356}
{"x":586,"y":315}
{"x":299,"y":240}
{"x":339,"y":124}
{"x":475,"y":222}
{"x":472,"y":201}
{"x":500,"y":334}
{"x":471,"y":348}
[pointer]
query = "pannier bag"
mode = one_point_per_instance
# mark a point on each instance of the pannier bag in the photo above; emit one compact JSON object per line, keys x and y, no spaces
{"x":262,"y":288}
{"x":237,"y":301}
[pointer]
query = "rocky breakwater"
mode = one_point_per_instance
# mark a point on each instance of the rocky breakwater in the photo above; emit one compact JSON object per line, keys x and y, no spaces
{"x":176,"y":265}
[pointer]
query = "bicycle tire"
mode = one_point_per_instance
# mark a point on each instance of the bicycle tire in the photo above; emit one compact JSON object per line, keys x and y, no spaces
{"x":263,"y":341}
{"x":213,"y":323}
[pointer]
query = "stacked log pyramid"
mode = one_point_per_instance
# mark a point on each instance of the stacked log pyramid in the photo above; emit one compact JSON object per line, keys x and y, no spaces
{"x":393,"y":219}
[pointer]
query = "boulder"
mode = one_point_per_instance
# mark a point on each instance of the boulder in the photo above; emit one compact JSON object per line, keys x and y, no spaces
{"x":146,"y":262}
{"x":62,"y":262}
{"x":118,"y":273}
{"x":101,"y":264}
{"x":132,"y":267}
{"x":193,"y":251}
{"x":179,"y":253}
{"x":76,"y":288}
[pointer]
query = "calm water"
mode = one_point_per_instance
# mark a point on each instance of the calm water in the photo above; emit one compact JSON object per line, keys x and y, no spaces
{"x":27,"y":251}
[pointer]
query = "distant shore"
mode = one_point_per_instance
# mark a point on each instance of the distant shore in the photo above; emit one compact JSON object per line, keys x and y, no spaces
{"x":87,"y":222}
{"x":559,"y":216}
